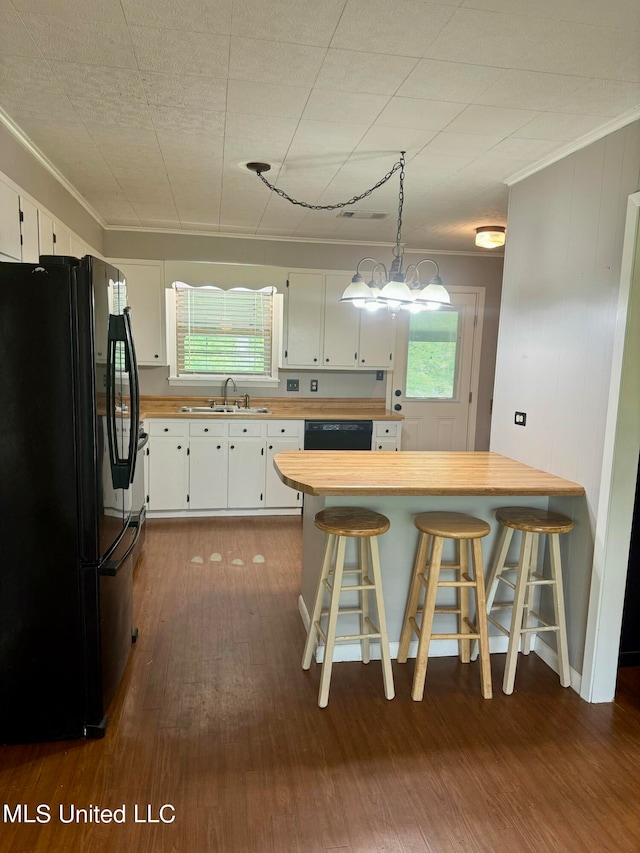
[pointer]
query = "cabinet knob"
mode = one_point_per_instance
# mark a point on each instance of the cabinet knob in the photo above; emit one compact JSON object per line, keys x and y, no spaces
{"x":315,"y":359}
{"x":271,"y":447}
{"x":244,"y":430}
{"x":282,"y":430}
{"x":166,"y":429}
{"x":218,"y":446}
{"x":326,"y":359}
{"x":206,"y":429}
{"x":398,"y":407}
{"x":362,"y":361}
{"x":156,"y":355}
{"x":232,"y":447}
{"x":179,"y":447}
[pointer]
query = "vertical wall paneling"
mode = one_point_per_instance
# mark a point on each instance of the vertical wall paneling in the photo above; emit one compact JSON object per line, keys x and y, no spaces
{"x":557,"y":327}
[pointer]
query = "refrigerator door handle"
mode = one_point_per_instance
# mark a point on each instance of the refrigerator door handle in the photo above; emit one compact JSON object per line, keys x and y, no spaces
{"x":110,"y":568}
{"x":122,"y":467}
{"x":132,"y":363}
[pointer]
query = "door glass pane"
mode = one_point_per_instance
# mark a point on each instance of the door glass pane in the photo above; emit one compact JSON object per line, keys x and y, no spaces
{"x":432,"y":356}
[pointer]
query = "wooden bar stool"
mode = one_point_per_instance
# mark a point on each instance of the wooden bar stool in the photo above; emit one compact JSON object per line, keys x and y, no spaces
{"x":467,"y":531}
{"x":525,"y":621}
{"x":341,"y":523}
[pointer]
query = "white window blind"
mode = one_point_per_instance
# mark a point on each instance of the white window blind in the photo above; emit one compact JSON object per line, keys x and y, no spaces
{"x":224,"y":331}
{"x":119,"y":296}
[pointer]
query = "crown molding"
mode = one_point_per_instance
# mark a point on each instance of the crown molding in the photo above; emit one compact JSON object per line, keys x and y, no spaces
{"x":35,"y":152}
{"x":582,"y":142}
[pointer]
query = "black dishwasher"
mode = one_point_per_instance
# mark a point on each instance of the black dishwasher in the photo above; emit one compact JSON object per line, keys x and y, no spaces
{"x":338,"y":435}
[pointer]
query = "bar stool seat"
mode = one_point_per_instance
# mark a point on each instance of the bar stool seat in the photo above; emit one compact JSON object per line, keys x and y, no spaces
{"x":525,"y":621}
{"x":467,"y":531}
{"x":341,"y":523}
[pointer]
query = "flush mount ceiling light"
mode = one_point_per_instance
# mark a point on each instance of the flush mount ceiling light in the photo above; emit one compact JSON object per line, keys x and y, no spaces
{"x":392,"y":289}
{"x":490,"y":236}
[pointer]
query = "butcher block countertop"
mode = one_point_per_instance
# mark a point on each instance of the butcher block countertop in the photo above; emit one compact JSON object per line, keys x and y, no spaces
{"x":348,"y":472}
{"x":281,"y":408}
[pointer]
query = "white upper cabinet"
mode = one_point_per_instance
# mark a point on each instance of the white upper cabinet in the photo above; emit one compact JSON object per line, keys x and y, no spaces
{"x":10,"y":245}
{"x":62,"y":240}
{"x":45,"y":233}
{"x":29,"y":229}
{"x":145,"y":296}
{"x":305,"y":299}
{"x":324,"y":332}
{"x":377,"y":339}
{"x":340,"y":325}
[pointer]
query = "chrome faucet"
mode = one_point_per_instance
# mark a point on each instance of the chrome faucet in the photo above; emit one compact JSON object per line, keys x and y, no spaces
{"x":225,"y":387}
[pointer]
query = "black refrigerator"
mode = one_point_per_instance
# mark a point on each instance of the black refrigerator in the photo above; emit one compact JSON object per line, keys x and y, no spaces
{"x":69,"y":431}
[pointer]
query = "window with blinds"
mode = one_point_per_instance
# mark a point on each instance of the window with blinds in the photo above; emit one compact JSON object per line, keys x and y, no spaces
{"x":224,"y":331}
{"x":119,"y":298}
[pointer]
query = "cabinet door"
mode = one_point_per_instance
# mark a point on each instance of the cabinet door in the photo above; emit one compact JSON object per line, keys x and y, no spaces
{"x":10,"y":246}
{"x":246,"y":473}
{"x":62,"y":241}
{"x":341,"y":324}
{"x":278,"y":494}
{"x":168,"y":473}
{"x":377,"y":339}
{"x":305,"y":294}
{"x":145,"y":296}
{"x":207,"y":473}
{"x":45,"y":233}
{"x":29,"y":229}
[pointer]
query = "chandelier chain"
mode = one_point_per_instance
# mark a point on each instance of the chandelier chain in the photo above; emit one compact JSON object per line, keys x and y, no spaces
{"x":397,"y":251}
{"x":396,"y":166}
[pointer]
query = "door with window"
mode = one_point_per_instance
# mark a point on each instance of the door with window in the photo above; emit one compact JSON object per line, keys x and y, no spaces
{"x":435,"y":383}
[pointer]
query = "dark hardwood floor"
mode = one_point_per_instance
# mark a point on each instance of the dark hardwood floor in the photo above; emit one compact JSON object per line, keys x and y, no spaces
{"x":217,"y":719}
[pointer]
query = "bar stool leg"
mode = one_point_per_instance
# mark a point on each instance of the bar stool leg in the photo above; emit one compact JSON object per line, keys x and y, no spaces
{"x":332,"y":621}
{"x":414,"y":596}
{"x":558,"y":606}
{"x":385,"y":655}
{"x":464,"y":646}
{"x":518,"y":612}
{"x":506,"y":534}
{"x":312,"y":634}
{"x":481,"y":619}
{"x":417,"y":689}
{"x":365,"y":644}
{"x":528,"y":619}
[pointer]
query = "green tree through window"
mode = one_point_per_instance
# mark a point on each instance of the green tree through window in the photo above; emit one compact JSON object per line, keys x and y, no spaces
{"x":432,"y":355}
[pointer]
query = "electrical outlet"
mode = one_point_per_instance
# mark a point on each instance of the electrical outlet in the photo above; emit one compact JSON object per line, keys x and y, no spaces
{"x":520,"y":419}
{"x":379,"y":375}
{"x":293,"y":384}
{"x":313,"y":385}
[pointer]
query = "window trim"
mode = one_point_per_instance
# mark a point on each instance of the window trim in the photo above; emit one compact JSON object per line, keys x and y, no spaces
{"x":196,"y":379}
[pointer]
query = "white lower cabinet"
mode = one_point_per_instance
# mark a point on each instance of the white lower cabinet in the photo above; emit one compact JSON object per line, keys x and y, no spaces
{"x":207,"y":472}
{"x":211,"y":465}
{"x":386,"y":435}
{"x":168,"y":473}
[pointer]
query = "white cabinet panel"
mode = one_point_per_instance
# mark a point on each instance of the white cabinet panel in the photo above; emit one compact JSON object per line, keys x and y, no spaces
{"x":29,"y":229}
{"x":168,"y":473}
{"x":340,"y":325}
{"x":246,"y":473}
{"x":207,"y":473}
{"x":277,"y":494}
{"x":145,"y":295}
{"x":305,"y":294}
{"x":77,"y":249}
{"x":377,"y":339}
{"x":45,"y":233}
{"x":62,"y":241}
{"x":10,"y":246}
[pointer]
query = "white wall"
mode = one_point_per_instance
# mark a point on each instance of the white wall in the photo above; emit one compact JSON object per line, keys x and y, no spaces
{"x":557,"y":325}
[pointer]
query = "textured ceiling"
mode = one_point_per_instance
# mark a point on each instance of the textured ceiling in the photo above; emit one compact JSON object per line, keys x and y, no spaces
{"x":147,"y":107}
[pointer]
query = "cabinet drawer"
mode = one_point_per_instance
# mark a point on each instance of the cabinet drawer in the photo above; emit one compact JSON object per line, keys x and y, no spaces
{"x":246,"y":428}
{"x":386,"y":428}
{"x":205,"y":428}
{"x":285,"y":428}
{"x":176,"y":427}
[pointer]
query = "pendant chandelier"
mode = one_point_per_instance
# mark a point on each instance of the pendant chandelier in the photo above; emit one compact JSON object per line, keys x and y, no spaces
{"x":393,"y":288}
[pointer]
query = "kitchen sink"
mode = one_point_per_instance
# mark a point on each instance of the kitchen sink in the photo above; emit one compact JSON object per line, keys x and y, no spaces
{"x":225,"y":410}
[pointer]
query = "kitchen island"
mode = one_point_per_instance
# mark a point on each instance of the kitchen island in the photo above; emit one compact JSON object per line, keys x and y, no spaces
{"x":400,"y":485}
